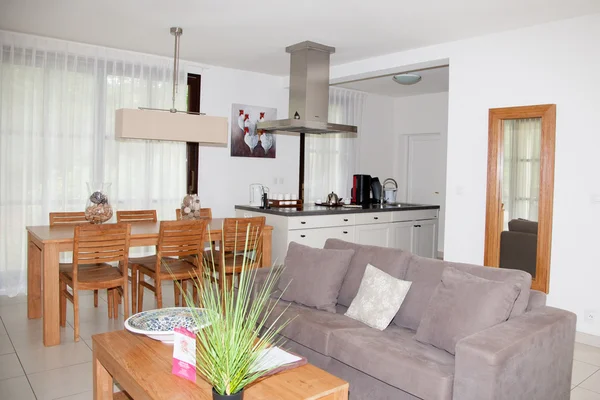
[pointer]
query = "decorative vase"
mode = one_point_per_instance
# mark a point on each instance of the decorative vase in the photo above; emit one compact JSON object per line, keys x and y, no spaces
{"x":237,"y":396}
{"x":190,"y":207}
{"x":98,"y":208}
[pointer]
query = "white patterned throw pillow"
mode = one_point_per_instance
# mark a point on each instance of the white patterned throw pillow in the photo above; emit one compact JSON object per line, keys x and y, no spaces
{"x":379,"y":298}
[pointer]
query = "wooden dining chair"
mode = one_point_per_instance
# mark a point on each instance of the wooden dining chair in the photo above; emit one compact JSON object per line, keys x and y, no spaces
{"x":177,"y":242}
{"x":137,"y":216}
{"x":67,"y":218}
{"x":94,"y":247}
{"x":204,"y":213}
{"x":235,"y":250}
{"x":71,"y":218}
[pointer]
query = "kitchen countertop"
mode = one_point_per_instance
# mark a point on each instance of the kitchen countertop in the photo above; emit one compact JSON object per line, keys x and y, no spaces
{"x":320,"y":210}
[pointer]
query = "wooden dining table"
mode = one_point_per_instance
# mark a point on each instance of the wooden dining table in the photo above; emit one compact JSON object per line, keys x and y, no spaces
{"x":44,"y":245}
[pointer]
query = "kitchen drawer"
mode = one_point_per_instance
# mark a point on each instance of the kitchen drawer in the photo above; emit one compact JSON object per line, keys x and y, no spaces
{"x":373,"y":218}
{"x":320,"y":221}
{"x":318,"y":237}
{"x":413,"y":215}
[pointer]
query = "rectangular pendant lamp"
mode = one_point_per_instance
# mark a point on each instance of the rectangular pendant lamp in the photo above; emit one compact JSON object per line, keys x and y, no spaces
{"x":170,"y":124}
{"x":165,"y":125}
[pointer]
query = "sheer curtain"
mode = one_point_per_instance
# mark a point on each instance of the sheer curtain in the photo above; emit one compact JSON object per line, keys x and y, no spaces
{"x":57,"y":103}
{"x":521,"y":175}
{"x":331,"y":158}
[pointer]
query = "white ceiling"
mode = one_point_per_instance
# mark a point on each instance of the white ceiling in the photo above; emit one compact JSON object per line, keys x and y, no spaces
{"x":433,"y":80}
{"x":252,"y":35}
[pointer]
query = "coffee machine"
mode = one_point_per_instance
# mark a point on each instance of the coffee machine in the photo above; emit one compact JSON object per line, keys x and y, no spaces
{"x":361,"y":189}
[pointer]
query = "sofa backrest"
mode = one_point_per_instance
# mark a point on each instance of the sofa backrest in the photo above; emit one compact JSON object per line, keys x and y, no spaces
{"x":393,"y":261}
{"x":426,"y":273}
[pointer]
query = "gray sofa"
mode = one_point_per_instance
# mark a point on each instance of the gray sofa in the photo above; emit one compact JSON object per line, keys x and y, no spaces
{"x":529,"y":356}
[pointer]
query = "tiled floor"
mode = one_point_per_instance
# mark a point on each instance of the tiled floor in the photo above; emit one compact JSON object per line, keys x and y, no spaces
{"x":28,"y":370}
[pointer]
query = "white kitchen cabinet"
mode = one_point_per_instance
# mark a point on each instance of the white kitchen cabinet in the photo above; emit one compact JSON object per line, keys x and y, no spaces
{"x":410,"y":230}
{"x":373,"y":234}
{"x":402,"y":235}
{"x":424,"y":238}
{"x":318,"y":237}
{"x":418,"y":237}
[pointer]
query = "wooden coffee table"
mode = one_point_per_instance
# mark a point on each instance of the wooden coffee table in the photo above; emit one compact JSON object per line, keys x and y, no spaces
{"x":142,"y":367}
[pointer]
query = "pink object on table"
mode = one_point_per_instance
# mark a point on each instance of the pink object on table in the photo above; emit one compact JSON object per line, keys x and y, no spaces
{"x":184,"y":354}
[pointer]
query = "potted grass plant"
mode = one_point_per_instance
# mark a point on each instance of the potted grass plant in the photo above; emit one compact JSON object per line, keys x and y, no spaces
{"x":229,"y":350}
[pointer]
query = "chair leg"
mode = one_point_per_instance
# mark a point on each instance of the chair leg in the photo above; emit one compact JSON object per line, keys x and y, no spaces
{"x":63,"y":304}
{"x":109,"y":298}
{"x":96,"y":298}
{"x":115,"y":303}
{"x":140,"y":291}
{"x":158,"y":293}
{"x":134,"y":289}
{"x":76,"y":314}
{"x":125,"y":299}
{"x":176,"y":293}
{"x":184,"y":293}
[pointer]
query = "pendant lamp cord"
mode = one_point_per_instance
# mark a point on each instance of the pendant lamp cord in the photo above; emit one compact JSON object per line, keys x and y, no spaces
{"x":177,"y":32}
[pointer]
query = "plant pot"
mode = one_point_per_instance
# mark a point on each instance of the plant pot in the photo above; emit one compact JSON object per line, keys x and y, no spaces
{"x":237,"y":396}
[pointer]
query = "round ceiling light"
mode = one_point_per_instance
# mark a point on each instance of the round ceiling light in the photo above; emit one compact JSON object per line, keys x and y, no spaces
{"x":407,"y":79}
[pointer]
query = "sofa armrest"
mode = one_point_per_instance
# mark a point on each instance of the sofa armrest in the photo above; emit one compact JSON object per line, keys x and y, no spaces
{"x":527,"y":357}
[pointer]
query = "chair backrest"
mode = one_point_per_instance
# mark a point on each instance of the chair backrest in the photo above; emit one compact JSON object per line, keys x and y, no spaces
{"x":94,"y":244}
{"x":181,"y":238}
{"x":67,"y":218}
{"x":235,"y":231}
{"x":204,"y":213}
{"x":136,"y":216}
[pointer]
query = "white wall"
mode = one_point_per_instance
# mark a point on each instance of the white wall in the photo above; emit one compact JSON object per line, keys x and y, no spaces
{"x":551,"y":63}
{"x":224,"y":180}
{"x":422,"y":114}
{"x":376,"y":138}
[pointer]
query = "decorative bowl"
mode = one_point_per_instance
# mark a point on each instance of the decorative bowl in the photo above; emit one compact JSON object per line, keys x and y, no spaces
{"x":159,"y":324}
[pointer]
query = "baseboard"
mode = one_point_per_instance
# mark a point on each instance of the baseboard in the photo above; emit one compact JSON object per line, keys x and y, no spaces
{"x":586,"y":338}
{"x":440,"y":255}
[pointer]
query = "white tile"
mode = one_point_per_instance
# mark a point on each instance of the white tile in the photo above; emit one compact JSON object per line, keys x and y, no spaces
{"x":45,"y":358}
{"x":2,"y":328}
{"x":79,"y":396}
{"x":592,"y":383}
{"x":30,"y":336}
{"x":61,"y":382}
{"x":5,"y":300}
{"x":586,"y":353}
{"x":89,"y":328}
{"x":6,"y":346}
{"x":16,"y":388}
{"x":580,"y":393}
{"x":582,"y":371}
{"x":10,"y":367}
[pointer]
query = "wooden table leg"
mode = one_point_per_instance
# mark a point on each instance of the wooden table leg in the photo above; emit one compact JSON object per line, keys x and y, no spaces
{"x":266,"y":247}
{"x":103,"y":381}
{"x":51,"y":293}
{"x":34,"y":279}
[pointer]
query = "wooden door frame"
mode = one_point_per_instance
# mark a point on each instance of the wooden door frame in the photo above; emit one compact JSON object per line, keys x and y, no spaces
{"x":547,"y":112}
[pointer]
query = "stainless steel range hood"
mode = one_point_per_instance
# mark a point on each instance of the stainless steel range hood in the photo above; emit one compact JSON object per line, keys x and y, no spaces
{"x":309,"y":93}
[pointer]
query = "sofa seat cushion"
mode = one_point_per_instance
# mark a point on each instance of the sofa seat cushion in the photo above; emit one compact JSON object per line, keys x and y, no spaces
{"x":396,"y":358}
{"x":391,"y":261}
{"x":309,"y":327}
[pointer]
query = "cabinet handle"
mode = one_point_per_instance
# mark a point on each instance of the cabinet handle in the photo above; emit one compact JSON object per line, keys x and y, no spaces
{"x":345,"y":219}
{"x":375,"y":217}
{"x":303,"y":222}
{"x":302,"y":236}
{"x":345,"y":232}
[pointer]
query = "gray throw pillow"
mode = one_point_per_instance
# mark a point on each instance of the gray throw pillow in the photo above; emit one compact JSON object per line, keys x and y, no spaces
{"x":314,"y":275}
{"x":464,"y":304}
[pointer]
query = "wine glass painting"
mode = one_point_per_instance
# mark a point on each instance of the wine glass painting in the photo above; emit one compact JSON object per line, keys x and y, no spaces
{"x":246,"y":139}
